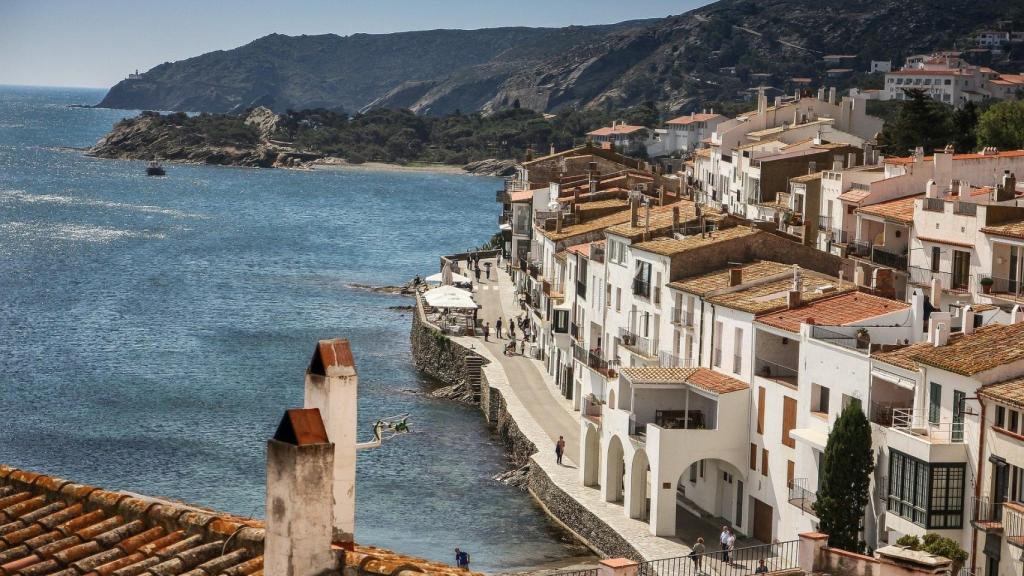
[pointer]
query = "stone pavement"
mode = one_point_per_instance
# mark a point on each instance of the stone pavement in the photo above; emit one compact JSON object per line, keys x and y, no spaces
{"x":542,"y":414}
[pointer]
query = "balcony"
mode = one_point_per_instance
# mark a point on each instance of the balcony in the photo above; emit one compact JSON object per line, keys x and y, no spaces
{"x":860,"y":248}
{"x":592,"y":359}
{"x":987,"y":515}
{"x":581,"y":290}
{"x":965,"y":209}
{"x":801,"y":497}
{"x":913,"y":422}
{"x":1013,"y":523}
{"x":641,"y":288}
{"x":682,"y":317}
{"x":839,"y":235}
{"x":949,"y":283}
{"x":638,"y":344}
{"x":669,"y":360}
{"x":913,"y":434}
{"x":1004,"y":288}
{"x":777,"y":372}
{"x":888,"y":259}
{"x":934,"y":204}
{"x":849,"y":341}
{"x":824,"y":223}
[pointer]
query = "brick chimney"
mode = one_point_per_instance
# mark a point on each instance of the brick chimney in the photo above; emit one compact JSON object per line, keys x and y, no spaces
{"x":675,"y":218}
{"x":1007,"y":190}
{"x":331,"y":387}
{"x":735,"y":277}
{"x":300,"y":466}
{"x":633,"y":212}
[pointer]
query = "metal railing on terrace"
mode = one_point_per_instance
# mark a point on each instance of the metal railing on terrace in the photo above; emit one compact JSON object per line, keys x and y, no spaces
{"x":839,"y":235}
{"x":881,"y":412}
{"x":824,"y":223}
{"x":777,"y":557}
{"x":837,"y":338}
{"x":987,"y":514}
{"x":860,"y":248}
{"x":638,"y":344}
{"x":915,"y":423}
{"x":774,"y":371}
{"x":669,"y":360}
{"x":889,"y":259}
{"x":574,"y":330}
{"x":801,"y":497}
{"x":1003,"y":286}
{"x":949,"y":283}
{"x":682,"y":317}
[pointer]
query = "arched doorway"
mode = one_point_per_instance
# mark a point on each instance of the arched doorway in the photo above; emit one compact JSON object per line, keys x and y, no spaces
{"x":639,"y":486}
{"x":615,"y":468}
{"x":591,"y":457}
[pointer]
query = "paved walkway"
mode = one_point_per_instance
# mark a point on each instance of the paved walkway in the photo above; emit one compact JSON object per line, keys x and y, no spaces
{"x":542,"y":414}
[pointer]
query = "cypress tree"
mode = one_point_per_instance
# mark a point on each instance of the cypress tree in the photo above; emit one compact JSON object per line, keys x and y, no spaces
{"x":844,"y":489}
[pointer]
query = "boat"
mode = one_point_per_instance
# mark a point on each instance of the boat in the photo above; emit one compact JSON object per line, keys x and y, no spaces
{"x":155,"y":169}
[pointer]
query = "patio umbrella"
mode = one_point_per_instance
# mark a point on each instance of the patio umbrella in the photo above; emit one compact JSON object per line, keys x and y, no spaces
{"x":439,"y":279}
{"x":450,"y":297}
{"x":446,"y":273}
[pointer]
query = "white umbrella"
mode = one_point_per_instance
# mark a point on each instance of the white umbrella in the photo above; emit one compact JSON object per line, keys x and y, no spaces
{"x":439,"y":279}
{"x":446,"y":273}
{"x":450,"y":297}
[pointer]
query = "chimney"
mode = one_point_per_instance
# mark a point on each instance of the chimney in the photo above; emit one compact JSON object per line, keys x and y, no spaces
{"x":931,"y":189}
{"x":832,"y":95}
{"x":1007,"y":190}
{"x":661,"y":196}
{"x":551,"y":150}
{"x":300,"y":467}
{"x":941,"y":334}
{"x":851,"y":159}
{"x":558,"y":221}
{"x":633,"y":209}
{"x":798,"y":281}
{"x":735,"y":277}
{"x":675,"y":218}
{"x":935,"y":296}
{"x":868,"y":154}
{"x":529,"y":153}
{"x":331,"y":387}
{"x":858,"y":275}
{"x":762,"y":101}
{"x":837,"y":163}
{"x":967,"y":324}
{"x":793,"y":299}
{"x":918,"y":154}
{"x":821,"y":93}
{"x":1017,"y":314}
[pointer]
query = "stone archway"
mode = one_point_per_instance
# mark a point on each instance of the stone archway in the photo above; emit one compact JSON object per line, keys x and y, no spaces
{"x":615,"y":468}
{"x":591,"y":457}
{"x":639,"y":480}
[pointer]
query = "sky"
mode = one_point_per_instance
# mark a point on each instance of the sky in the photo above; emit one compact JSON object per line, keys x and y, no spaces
{"x":96,"y":43}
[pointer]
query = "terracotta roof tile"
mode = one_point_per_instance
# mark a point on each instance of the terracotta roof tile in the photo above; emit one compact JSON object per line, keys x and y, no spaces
{"x":617,"y":129}
{"x":900,"y":210}
{"x":672,"y":246}
{"x":684,"y":120}
{"x":701,"y":285}
{"x":838,"y":311}
{"x":1010,"y":392}
{"x":660,"y":220}
{"x":702,"y":378}
{"x":1009,"y":229}
{"x":987,"y":348}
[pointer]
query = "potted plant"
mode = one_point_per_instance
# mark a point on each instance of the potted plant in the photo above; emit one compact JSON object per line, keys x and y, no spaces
{"x":986,"y":285}
{"x":863,"y":338}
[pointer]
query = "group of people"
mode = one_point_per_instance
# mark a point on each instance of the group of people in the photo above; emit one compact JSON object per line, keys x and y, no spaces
{"x":525,"y":328}
{"x":474,"y":265}
{"x":727,"y":540}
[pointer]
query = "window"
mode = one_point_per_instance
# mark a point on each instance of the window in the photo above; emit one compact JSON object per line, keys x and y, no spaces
{"x":764,"y":462}
{"x":760,"y":410}
{"x":642,"y":279}
{"x":737,"y":359}
{"x":790,"y":472}
{"x":819,"y":399}
{"x":1014,"y":417}
{"x":934,"y":403}
{"x":928,"y":495}
{"x":788,"y":420}
{"x":936,"y":258}
{"x":753,"y":456}
{"x":693,"y":472}
{"x":618,"y":299}
{"x":1000,"y":416}
{"x":717,"y":350}
{"x":702,"y":469}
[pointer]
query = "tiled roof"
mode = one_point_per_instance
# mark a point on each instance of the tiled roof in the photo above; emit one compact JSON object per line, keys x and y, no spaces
{"x":672,"y":247}
{"x":772,"y":296}
{"x":617,"y":129}
{"x":807,"y":177}
{"x":854,"y":196}
{"x":684,"y":120}
{"x":583,"y":249}
{"x":900,"y":210}
{"x":54,"y":527}
{"x":661,"y":220}
{"x":587,"y":226}
{"x":987,"y":348}
{"x":701,"y":285}
{"x":702,"y":378}
{"x":1010,"y":229}
{"x":1009,"y":392}
{"x":971,"y":156}
{"x":934,"y":240}
{"x":838,"y":311}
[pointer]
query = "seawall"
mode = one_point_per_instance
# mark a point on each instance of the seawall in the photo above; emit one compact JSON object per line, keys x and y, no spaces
{"x":443,"y":357}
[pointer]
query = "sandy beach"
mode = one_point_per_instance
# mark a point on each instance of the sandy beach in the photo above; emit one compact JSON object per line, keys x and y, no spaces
{"x":340,"y":164}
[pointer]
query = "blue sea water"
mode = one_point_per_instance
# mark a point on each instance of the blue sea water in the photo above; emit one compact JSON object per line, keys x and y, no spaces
{"x":153,"y":330}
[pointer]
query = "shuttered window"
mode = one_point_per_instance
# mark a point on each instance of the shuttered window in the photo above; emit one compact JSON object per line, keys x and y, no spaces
{"x":760,"y":410}
{"x":790,"y":472}
{"x":764,"y":462}
{"x":788,"y":420}
{"x":753,"y":456}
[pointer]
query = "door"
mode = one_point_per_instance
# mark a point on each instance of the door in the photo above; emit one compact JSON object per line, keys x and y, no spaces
{"x":934,"y":403}
{"x":739,"y":504}
{"x":958,"y":416}
{"x":762,"y":521}
{"x":961,"y":269}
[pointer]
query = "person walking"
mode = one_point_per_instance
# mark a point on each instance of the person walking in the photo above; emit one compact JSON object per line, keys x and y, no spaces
{"x":477,"y":272}
{"x":461,"y":559}
{"x":731,"y":542}
{"x":487,"y":269}
{"x":697,"y":553}
{"x":497,"y":326}
{"x":559,"y":450}
{"x":511,"y":329}
{"x":723,"y":539}
{"x":487,"y":331}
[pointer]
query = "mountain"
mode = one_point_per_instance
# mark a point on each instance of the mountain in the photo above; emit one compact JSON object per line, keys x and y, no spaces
{"x":714,"y":53}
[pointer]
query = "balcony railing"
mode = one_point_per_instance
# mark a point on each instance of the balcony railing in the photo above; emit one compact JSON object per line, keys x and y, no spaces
{"x":1002,"y":286}
{"x":840,"y":236}
{"x":778,"y":557}
{"x":949,"y":283}
{"x":641,"y":288}
{"x":801,"y":497}
{"x":682,"y":317}
{"x":637,"y":344}
{"x":860,"y":248}
{"x":669,"y":360}
{"x":581,"y":289}
{"x":774,"y":371}
{"x":881,"y":412}
{"x":987,"y":515}
{"x":839,"y":339}
{"x":1013,"y":523}
{"x":824,"y":223}
{"x":889,"y":259}
{"x":934,"y":204}
{"x":915,"y":423}
{"x":574,"y":330}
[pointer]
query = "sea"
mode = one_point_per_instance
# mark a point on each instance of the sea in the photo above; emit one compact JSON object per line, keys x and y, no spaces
{"x":154,"y":330}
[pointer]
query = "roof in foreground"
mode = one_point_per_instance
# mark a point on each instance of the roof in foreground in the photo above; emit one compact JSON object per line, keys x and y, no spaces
{"x":673,"y":246}
{"x":987,"y":348}
{"x":660,"y":218}
{"x":53,"y":527}
{"x":838,"y":311}
{"x":617,"y":129}
{"x":587,"y":226}
{"x":1009,"y":229}
{"x":766,"y":297}
{"x":900,"y":210}
{"x":701,"y":285}
{"x":1009,"y":392}
{"x":703,"y":378}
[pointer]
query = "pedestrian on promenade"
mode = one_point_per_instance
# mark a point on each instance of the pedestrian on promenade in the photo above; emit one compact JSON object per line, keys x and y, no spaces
{"x":487,"y":268}
{"x":511,"y":329}
{"x":697,"y":553}
{"x":761,"y":567}
{"x":559,"y":450}
{"x":522,"y":347}
{"x":487,"y":331}
{"x":732,"y":544}
{"x":477,"y":272}
{"x":497,"y":326}
{"x":723,"y":539}
{"x":461,"y":559}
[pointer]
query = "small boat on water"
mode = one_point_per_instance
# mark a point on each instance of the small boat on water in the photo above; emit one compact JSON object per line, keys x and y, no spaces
{"x":155,"y":169}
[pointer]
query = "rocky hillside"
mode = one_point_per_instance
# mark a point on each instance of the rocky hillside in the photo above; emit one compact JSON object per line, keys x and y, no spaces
{"x":714,"y":53}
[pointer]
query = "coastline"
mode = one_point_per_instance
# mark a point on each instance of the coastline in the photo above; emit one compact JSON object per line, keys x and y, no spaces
{"x":334,"y":163}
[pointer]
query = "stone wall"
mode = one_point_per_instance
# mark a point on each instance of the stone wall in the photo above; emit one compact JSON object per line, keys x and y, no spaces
{"x":438,"y":356}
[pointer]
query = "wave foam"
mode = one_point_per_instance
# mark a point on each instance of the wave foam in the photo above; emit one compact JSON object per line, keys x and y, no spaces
{"x":19,"y":196}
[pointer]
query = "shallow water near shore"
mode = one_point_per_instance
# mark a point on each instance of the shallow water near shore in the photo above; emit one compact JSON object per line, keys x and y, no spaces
{"x":153,"y":330}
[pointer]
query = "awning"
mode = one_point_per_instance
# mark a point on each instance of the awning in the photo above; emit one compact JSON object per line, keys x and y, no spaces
{"x":449,"y":297}
{"x":456,"y":278}
{"x":505,"y":227}
{"x":810,"y":436}
{"x":892,"y":379}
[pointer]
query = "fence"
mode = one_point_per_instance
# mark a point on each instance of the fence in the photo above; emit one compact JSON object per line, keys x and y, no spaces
{"x":584,"y":572}
{"x":844,"y":340}
{"x":781,"y":556}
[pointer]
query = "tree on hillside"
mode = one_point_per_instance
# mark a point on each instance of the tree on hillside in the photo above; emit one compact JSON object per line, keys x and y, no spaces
{"x":843,"y":491}
{"x":1002,"y":126}
{"x":965,"y":128}
{"x":920,"y":121}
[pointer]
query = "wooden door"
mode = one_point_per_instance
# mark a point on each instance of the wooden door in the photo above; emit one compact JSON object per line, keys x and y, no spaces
{"x":762,"y":521}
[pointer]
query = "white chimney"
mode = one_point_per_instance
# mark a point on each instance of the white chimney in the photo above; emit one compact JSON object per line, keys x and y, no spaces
{"x":936,"y":293}
{"x":938,"y":328}
{"x":967,"y":322}
{"x":331,"y":387}
{"x":1017,"y":314}
{"x":832,"y":95}
{"x":837,"y":163}
{"x":300,"y":464}
{"x":941,"y":334}
{"x":931,"y":189}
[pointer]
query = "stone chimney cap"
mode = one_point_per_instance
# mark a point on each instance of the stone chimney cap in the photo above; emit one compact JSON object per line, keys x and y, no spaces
{"x":302,"y":427}
{"x":332,"y":358}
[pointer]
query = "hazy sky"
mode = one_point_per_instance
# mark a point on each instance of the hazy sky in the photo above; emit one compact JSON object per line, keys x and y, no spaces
{"x":98,"y":42}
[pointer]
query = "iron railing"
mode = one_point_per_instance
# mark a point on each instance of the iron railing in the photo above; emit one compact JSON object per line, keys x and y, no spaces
{"x":913,"y":422}
{"x":889,"y":259}
{"x":636,"y":343}
{"x":801,"y":497}
{"x":881,"y":412}
{"x":840,"y":236}
{"x":987,"y":512}
{"x":824,"y":223}
{"x":949,"y":283}
{"x":669,"y":360}
{"x":682,"y":317}
{"x":860,"y":248}
{"x":773,"y":371}
{"x":1013,"y":524}
{"x":780,"y":556}
{"x":999,"y":285}
{"x":837,"y":338}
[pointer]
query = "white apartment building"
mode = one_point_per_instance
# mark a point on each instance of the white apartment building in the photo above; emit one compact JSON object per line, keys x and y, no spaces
{"x":949,"y":79}
{"x":685,"y":133}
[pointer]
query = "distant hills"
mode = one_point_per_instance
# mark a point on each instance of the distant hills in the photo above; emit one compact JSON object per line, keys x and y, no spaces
{"x":714,"y":53}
